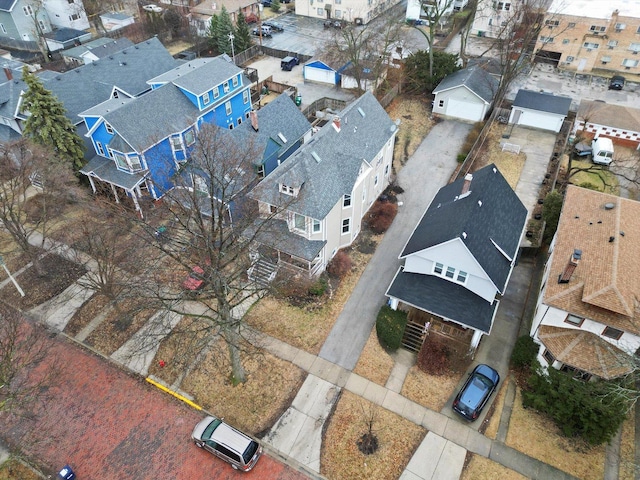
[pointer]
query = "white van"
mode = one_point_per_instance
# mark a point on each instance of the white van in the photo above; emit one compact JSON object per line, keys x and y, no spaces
{"x":602,"y":150}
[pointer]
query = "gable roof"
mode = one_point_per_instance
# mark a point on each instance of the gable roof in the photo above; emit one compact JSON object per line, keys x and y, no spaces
{"x":605,"y":285}
{"x":83,"y":87}
{"x":327,"y":167}
{"x":489,"y":220}
{"x":100,"y":47}
{"x":617,"y":116}
{"x":475,"y":79}
{"x":7,"y":5}
{"x":544,"y":102}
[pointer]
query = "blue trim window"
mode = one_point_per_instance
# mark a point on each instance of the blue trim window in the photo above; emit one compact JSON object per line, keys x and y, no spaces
{"x":235,"y":81}
{"x":216,"y":92}
{"x":189,"y":137}
{"x":206,"y":99}
{"x":121,"y":160}
{"x":134,"y":160}
{"x":108,"y":128}
{"x":227,"y":107}
{"x":99,"y":148}
{"x":245,"y":96}
{"x":225,"y":87}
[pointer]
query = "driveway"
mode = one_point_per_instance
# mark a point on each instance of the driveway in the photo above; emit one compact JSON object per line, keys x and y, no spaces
{"x":428,"y":169}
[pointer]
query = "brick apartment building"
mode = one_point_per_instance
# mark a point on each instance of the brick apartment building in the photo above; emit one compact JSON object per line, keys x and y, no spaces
{"x":592,"y":35}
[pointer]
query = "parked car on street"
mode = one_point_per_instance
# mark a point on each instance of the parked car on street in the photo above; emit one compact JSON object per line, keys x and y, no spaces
{"x":195,"y":280}
{"x":274,"y":25}
{"x":475,"y":392}
{"x":616,"y":82}
{"x":227,"y":443}
{"x":152,"y":8}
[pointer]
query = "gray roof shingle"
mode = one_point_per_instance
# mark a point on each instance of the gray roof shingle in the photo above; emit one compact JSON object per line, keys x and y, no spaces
{"x":198,"y":76}
{"x":475,"y":79}
{"x":491,"y":214}
{"x":365,"y":128}
{"x":544,"y":102}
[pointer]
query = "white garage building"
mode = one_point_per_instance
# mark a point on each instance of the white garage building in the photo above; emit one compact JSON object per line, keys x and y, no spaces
{"x":320,"y":72}
{"x":539,"y":110}
{"x":466,"y":94}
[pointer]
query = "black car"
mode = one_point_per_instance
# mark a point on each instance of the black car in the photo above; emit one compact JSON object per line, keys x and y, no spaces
{"x":275,"y":26}
{"x":476,"y":392}
{"x":616,"y":82}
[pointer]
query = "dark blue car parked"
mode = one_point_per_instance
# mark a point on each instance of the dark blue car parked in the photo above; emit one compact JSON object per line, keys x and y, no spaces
{"x":476,"y":391}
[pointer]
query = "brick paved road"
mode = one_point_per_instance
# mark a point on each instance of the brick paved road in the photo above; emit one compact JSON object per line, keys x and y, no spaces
{"x":111,"y":425}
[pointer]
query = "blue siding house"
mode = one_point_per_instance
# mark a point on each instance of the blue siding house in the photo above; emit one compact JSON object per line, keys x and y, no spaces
{"x":140,"y":143}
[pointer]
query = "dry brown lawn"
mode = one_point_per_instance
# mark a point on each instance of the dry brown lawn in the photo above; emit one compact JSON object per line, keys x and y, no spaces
{"x":87,"y":312}
{"x":491,"y":427}
{"x":537,"y":436}
{"x":431,"y":391}
{"x":414,"y":114}
{"x":253,"y":406}
{"x":306,"y":328}
{"x":510,"y":164}
{"x":340,"y":458}
{"x":628,"y":448}
{"x":375,"y":363}
{"x":13,"y":469}
{"x":481,"y":468}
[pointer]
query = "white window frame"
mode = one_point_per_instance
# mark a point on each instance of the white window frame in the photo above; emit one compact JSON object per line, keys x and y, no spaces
{"x":206,"y":98}
{"x":346,"y":226}
{"x":121,"y":160}
{"x":316,"y":226}
{"x":438,"y":268}
{"x":346,"y":200}
{"x":108,"y":128}
{"x":630,"y":63}
{"x":634,"y":47}
{"x":189,"y":137}
{"x":225,"y":87}
{"x":296,"y":217}
{"x":216,"y":92}
{"x":176,"y":142}
{"x":234,"y":81}
{"x":28,"y":11}
{"x":134,"y":162}
{"x":286,"y":189}
{"x":245,"y":96}
{"x":227,"y":107}
{"x":100,"y":148}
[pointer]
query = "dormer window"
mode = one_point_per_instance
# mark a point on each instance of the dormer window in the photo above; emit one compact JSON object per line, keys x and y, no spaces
{"x":176,"y":142}
{"x":216,"y":92}
{"x":108,"y":128}
{"x":287,"y":190}
{"x":206,"y":99}
{"x":234,"y":80}
{"x":189,"y":137}
{"x":225,"y":87}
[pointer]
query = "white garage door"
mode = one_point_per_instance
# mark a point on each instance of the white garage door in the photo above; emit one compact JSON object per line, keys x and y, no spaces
{"x":545,"y":121}
{"x":319,"y":75}
{"x":464,"y":110}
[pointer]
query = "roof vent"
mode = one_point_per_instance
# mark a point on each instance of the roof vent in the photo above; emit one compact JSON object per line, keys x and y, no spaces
{"x":282,"y":137}
{"x":479,"y":203}
{"x":611,"y":239}
{"x":609,"y":206}
{"x":315,"y":157}
{"x":361,"y":112}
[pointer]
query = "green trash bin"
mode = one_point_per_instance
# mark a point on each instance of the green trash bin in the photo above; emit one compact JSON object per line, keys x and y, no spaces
{"x":298,"y":100}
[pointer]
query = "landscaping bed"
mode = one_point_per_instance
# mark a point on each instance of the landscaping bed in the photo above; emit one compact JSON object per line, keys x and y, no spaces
{"x":91,"y":308}
{"x":397,"y":440}
{"x":414,"y":113}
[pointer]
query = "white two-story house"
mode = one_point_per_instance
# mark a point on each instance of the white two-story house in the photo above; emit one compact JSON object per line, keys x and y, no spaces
{"x":321,"y":193}
{"x":587,"y":320}
{"x":458,"y":261}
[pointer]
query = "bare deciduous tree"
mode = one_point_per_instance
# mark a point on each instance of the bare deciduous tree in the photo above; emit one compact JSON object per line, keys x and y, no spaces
{"x":23,"y":164}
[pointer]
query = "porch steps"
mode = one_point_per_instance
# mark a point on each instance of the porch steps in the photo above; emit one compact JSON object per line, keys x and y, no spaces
{"x":263,"y":272}
{"x":413,"y":336}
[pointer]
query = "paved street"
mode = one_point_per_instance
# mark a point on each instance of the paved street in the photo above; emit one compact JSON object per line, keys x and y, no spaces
{"x":109,"y":424}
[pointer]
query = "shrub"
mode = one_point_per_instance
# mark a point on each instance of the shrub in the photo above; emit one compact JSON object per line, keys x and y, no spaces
{"x":591,"y":410}
{"x":551,"y":213}
{"x":318,"y":287}
{"x":461,"y":157}
{"x":390,"y":327}
{"x":381,"y":215}
{"x":433,"y":357}
{"x":339,"y":265}
{"x":524,"y":352}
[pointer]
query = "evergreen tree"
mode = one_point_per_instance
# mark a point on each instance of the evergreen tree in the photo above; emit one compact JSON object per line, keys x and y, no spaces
{"x":242,"y":39}
{"x":47,"y":123}
{"x":275,"y":6}
{"x":224,"y":27}
{"x":212,"y":32}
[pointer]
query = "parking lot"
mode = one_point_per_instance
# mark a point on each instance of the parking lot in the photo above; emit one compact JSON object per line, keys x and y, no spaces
{"x":303,"y":35}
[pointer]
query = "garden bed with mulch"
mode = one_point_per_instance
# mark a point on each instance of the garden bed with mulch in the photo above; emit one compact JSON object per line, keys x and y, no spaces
{"x":91,"y":308}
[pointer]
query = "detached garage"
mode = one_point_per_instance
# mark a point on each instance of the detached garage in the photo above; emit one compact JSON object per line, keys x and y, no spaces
{"x":466,"y":94}
{"x":318,"y":71}
{"x":539,"y":110}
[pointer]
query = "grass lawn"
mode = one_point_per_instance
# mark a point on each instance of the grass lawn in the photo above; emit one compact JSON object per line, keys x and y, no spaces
{"x":397,"y":438}
{"x":13,"y":469}
{"x":596,"y":178}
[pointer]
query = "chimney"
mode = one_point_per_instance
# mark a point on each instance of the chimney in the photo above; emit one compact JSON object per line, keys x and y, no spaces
{"x":336,"y":123}
{"x":8,"y":73}
{"x":565,"y":276}
{"x":466,"y":185}
{"x":253,"y":115}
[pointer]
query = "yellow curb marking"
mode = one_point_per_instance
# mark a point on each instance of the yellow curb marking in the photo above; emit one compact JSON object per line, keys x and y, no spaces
{"x":175,"y":394}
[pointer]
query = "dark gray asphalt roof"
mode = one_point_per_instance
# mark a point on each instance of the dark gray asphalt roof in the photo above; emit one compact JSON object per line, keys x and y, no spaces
{"x":492,"y":212}
{"x":100,"y":47}
{"x":276,"y":232}
{"x":64,"y":34}
{"x":445,"y":299}
{"x":341,"y":154}
{"x":105,"y":169}
{"x":180,"y":70}
{"x":7,"y":5}
{"x":475,"y":79}
{"x":151,"y":117}
{"x":544,"y":102}
{"x":85,"y":86}
{"x":107,"y":106}
{"x":198,"y":79}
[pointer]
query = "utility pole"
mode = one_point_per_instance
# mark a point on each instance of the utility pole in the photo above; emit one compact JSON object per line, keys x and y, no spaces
{"x":260,"y":7}
{"x":233,"y":54}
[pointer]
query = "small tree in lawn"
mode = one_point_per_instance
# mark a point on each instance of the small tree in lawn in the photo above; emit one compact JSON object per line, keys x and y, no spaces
{"x":422,"y":75}
{"x":20,"y":163}
{"x":47,"y":123}
{"x":275,"y":6}
{"x":368,"y":441}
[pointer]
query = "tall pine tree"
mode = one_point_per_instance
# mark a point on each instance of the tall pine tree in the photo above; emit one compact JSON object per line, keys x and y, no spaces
{"x":47,"y":123}
{"x":224,"y":27}
{"x":212,"y":32}
{"x":242,"y":39}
